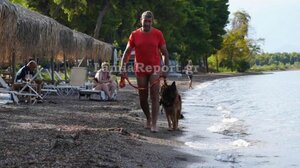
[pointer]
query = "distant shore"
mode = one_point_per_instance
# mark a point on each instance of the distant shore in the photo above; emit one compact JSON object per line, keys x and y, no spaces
{"x":68,"y":132}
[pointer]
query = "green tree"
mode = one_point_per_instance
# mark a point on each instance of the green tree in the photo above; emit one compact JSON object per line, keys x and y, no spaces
{"x":21,"y":2}
{"x":193,"y":29}
{"x":218,"y":18}
{"x":204,"y":29}
{"x":238,"y":50}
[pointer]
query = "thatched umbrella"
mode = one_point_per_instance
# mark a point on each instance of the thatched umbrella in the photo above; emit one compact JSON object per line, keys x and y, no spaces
{"x":7,"y":17}
{"x":29,"y":34}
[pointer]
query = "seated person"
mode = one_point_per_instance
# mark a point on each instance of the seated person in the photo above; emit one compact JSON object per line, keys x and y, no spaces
{"x":103,"y":81}
{"x":26,"y":73}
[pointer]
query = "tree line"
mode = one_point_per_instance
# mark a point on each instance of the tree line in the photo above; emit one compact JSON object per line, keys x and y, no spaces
{"x":193,"y":29}
{"x":241,"y":53}
{"x":276,"y":61}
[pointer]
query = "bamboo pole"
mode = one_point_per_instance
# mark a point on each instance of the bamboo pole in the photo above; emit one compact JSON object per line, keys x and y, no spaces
{"x":65,"y":67}
{"x":52,"y":68}
{"x":13,"y":68}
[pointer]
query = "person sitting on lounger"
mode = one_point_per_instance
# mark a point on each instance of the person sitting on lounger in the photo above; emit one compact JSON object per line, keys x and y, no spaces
{"x":103,"y":81}
{"x":26,"y":73}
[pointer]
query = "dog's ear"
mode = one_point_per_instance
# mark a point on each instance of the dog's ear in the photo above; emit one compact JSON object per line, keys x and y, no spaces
{"x":174,"y":85}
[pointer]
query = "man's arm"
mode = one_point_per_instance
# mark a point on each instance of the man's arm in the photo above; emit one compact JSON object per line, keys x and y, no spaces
{"x":165,"y":54}
{"x":21,"y":74}
{"x":125,"y":58}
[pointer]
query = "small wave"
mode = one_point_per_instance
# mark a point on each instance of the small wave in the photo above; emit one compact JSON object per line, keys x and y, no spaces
{"x":240,"y":143}
{"x":207,"y":146}
{"x":226,"y":113}
{"x":203,"y":85}
{"x":216,"y":128}
{"x":224,"y":157}
{"x":230,"y":120}
{"x":229,"y":128}
{"x":220,"y":108}
{"x":197,"y":145}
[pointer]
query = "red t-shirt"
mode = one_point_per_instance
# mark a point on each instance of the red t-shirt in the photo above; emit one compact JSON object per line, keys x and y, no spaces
{"x":147,"y":50}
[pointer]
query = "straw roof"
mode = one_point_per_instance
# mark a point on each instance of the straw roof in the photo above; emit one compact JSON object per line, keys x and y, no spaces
{"x":32,"y":34}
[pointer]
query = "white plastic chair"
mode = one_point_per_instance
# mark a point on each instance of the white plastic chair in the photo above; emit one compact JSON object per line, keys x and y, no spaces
{"x":77,"y":80}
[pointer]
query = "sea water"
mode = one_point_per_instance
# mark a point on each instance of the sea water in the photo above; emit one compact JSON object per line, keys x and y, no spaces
{"x":248,"y":121}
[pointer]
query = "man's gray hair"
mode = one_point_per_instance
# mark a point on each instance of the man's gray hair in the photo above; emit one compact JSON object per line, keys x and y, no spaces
{"x":147,"y":15}
{"x":32,"y":63}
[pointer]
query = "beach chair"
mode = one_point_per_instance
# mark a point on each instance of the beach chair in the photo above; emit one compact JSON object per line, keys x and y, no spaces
{"x":49,"y":89}
{"x":16,"y":95}
{"x":95,"y":94}
{"x":3,"y":84}
{"x":57,"y":77}
{"x":28,"y":90}
{"x":91,"y":94}
{"x":4,"y":88}
{"x":77,"y":81}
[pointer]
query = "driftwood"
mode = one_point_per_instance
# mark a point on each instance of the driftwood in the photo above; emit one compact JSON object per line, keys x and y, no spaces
{"x":32,"y":35}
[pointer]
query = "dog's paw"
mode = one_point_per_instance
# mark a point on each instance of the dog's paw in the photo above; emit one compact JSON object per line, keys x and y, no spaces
{"x":181,"y":116}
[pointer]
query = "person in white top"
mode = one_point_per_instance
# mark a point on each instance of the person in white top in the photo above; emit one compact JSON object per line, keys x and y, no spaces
{"x":103,"y":81}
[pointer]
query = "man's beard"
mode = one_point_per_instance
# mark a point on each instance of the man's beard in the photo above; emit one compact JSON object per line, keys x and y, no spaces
{"x":146,"y":28}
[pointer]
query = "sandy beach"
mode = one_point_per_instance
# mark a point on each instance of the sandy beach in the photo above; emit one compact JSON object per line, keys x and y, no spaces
{"x":68,"y":132}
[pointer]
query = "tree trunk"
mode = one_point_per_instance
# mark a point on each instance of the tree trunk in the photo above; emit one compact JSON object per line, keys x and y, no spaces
{"x":205,"y":63}
{"x":231,"y":68}
{"x":52,"y":68}
{"x":100,"y":19}
{"x":65,"y":67}
{"x":217,"y":62}
{"x":13,"y":71}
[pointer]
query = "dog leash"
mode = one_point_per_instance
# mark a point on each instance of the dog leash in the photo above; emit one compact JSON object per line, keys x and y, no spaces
{"x":123,"y":78}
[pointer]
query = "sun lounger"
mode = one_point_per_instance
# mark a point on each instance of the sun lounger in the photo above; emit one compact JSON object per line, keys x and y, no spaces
{"x":6,"y":89}
{"x":77,"y":81}
{"x":95,"y":94}
{"x":92,"y":94}
{"x":49,"y":91}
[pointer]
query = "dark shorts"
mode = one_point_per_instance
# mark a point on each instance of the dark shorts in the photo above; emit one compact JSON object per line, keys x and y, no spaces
{"x":190,"y":77}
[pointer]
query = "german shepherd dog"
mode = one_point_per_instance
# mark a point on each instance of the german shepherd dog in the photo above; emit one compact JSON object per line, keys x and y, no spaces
{"x":171,"y":102}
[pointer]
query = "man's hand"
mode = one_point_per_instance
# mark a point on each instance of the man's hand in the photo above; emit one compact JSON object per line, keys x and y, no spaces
{"x":164,"y":74}
{"x":164,"y":71}
{"x":123,"y":71}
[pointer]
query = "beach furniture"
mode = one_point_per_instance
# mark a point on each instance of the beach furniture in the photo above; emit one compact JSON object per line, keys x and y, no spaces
{"x":95,"y":94}
{"x":27,"y":88}
{"x":77,"y":81}
{"x":4,"y":88}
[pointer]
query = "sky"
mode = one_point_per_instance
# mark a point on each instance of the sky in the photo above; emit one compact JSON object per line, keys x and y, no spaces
{"x":277,"y":21}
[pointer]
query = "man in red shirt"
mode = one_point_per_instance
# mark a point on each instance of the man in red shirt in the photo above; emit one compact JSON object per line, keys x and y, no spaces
{"x":149,"y":45}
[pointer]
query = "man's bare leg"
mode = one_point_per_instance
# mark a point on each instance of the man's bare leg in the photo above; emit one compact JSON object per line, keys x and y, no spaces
{"x":143,"y":96}
{"x":154,"y":94}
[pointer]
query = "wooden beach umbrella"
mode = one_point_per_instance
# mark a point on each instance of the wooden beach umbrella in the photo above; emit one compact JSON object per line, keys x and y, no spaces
{"x":31,"y":34}
{"x":8,"y":20}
